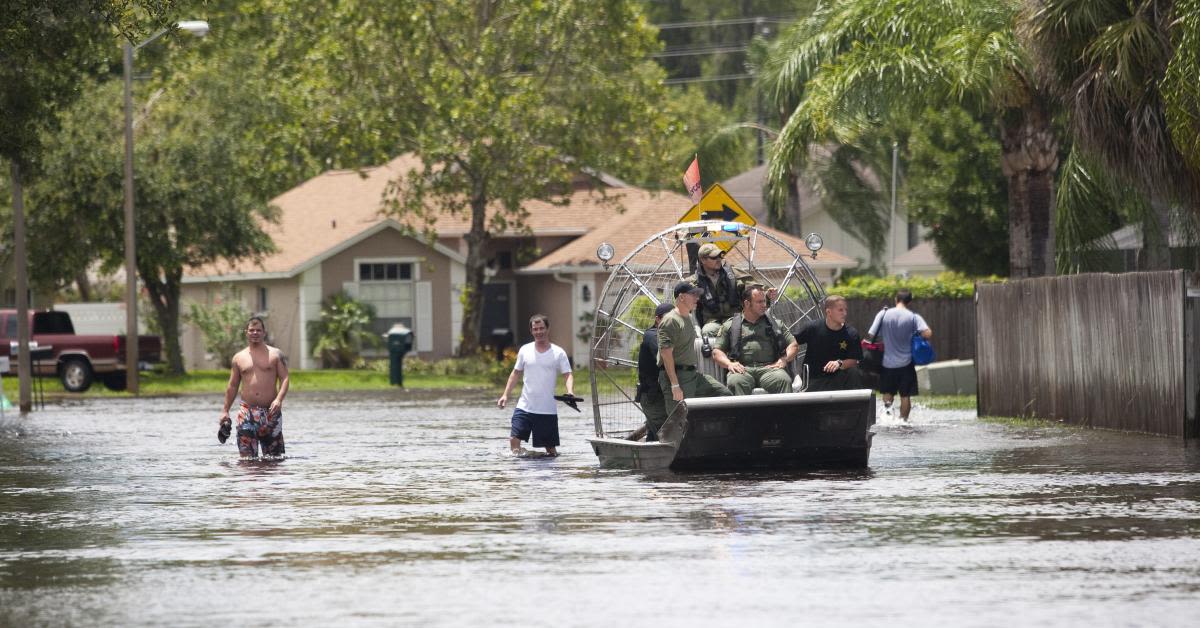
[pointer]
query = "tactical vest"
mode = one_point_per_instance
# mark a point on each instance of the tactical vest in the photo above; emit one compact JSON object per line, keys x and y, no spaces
{"x":709,"y":303}
{"x":735,"y":339}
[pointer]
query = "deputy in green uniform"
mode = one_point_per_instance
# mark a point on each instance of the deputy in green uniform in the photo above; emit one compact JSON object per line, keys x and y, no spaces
{"x":758,"y":354}
{"x":677,"y":353}
{"x":721,"y":288}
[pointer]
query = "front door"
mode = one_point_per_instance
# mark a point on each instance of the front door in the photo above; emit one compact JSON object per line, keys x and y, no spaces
{"x":497,"y":313}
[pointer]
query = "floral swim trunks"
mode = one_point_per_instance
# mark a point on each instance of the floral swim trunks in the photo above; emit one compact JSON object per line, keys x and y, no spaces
{"x":257,"y":430}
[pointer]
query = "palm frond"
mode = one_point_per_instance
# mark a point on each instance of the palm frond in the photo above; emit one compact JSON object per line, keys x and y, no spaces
{"x":856,"y":62}
{"x":1091,"y":203}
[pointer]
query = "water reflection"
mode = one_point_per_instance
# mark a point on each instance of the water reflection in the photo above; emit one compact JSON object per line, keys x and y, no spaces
{"x":392,"y":511}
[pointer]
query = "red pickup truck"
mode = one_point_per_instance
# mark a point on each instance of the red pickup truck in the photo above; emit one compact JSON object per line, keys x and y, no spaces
{"x":76,"y":360}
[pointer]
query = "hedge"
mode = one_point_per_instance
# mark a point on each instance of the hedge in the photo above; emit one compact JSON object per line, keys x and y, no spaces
{"x":946,"y":285}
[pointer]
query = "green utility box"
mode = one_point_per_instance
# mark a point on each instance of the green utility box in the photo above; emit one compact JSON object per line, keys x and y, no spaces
{"x":399,"y":342}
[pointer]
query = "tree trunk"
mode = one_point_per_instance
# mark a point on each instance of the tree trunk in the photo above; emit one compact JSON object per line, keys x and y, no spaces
{"x":84,"y":285}
{"x":164,"y":297}
{"x":1030,"y":161}
{"x":1156,"y":233}
{"x":787,"y":217}
{"x":794,"y":209}
{"x":477,"y":239}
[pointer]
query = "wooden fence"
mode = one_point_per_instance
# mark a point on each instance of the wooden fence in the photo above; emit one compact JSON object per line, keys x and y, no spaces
{"x":1098,"y":350}
{"x":952,"y":322}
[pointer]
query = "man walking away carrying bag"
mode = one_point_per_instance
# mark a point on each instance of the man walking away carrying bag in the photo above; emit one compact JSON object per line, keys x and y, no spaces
{"x":896,"y":327}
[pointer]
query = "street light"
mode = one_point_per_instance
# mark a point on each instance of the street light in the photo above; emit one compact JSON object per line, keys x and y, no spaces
{"x":199,"y":28}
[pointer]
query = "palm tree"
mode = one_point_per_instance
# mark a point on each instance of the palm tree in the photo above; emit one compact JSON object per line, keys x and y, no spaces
{"x":855,"y":62}
{"x":1106,"y":61}
{"x":1181,"y":91}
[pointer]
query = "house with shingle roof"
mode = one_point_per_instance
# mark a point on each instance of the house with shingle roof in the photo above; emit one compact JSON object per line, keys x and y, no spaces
{"x":333,"y":236}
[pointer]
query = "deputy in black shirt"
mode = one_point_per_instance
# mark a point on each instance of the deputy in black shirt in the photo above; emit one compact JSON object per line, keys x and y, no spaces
{"x":649,"y":394}
{"x":833,"y":349}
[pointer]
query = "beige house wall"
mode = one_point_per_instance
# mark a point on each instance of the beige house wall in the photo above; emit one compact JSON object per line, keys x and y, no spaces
{"x":430,"y":266}
{"x":561,"y":297}
{"x":282,"y":316}
{"x":542,"y":294}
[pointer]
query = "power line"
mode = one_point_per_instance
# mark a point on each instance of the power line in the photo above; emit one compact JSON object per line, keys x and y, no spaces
{"x":701,"y":50}
{"x":783,"y":19}
{"x":707,"y":79}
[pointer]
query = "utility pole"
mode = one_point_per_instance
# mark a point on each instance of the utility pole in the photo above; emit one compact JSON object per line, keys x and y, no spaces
{"x":131,"y":326}
{"x":892,"y":220}
{"x":24,"y":364}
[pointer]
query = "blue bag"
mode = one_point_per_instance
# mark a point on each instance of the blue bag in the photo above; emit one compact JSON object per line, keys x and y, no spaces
{"x":922,"y":351}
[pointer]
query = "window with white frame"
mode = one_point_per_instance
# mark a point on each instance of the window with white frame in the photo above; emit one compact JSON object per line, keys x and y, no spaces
{"x":389,"y":286}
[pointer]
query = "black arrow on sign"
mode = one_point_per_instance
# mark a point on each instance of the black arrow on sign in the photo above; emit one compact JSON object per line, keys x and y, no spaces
{"x":727,"y":213}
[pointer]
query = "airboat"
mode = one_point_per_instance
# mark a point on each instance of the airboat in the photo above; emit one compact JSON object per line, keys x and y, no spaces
{"x":760,"y":431}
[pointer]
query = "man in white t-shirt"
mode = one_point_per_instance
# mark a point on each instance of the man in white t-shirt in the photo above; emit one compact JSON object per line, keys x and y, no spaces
{"x":539,"y":363}
{"x":896,"y":327}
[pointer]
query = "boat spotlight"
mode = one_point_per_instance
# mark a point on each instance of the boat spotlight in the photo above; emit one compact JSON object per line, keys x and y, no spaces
{"x":814,"y":243}
{"x":605,"y":252}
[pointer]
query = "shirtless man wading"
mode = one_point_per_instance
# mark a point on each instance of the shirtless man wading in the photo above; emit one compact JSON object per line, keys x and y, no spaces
{"x":256,"y":370}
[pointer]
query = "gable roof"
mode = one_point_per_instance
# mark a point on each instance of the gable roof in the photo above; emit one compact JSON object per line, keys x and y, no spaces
{"x":339,"y":208}
{"x":923,"y":255}
{"x":647,"y":214}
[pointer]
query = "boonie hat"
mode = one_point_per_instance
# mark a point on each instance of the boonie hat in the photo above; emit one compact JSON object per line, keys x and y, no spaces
{"x":663,"y":308}
{"x":685,"y":286}
{"x":710,"y":250}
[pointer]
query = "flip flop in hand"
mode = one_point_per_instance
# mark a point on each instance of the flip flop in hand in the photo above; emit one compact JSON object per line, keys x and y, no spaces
{"x":571,"y":400}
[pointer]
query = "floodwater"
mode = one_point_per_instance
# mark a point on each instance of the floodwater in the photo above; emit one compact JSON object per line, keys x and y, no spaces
{"x":407,"y":512}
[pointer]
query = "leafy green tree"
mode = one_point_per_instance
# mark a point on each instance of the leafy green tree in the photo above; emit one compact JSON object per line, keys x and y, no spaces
{"x":298,"y":77}
{"x":709,"y":132}
{"x":46,"y":47}
{"x":342,"y":331}
{"x":953,"y":187}
{"x":222,"y":323}
{"x":855,"y":63}
{"x":194,"y":205}
{"x":507,"y":101}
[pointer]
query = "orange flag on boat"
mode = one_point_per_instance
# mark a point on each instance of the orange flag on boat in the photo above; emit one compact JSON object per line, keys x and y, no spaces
{"x":691,"y":181}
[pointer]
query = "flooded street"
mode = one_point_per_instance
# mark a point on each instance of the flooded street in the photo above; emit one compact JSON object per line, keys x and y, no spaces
{"x":390,"y":512}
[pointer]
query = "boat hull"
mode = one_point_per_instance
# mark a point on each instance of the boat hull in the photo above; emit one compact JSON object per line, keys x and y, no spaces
{"x":794,"y":430}
{"x":618,"y":453}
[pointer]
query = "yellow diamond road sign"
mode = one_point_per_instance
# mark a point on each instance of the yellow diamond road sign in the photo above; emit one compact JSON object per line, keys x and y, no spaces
{"x":717,"y":204}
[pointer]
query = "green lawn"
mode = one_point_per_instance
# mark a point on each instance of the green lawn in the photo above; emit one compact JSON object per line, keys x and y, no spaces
{"x":1027,"y":422}
{"x":214,"y":381}
{"x":946,"y":402}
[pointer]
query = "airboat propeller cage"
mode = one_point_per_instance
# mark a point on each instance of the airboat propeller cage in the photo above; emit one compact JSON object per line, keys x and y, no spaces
{"x":644,"y":278}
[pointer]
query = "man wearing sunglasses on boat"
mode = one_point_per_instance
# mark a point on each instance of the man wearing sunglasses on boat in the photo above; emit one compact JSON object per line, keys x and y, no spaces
{"x":721,"y":286}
